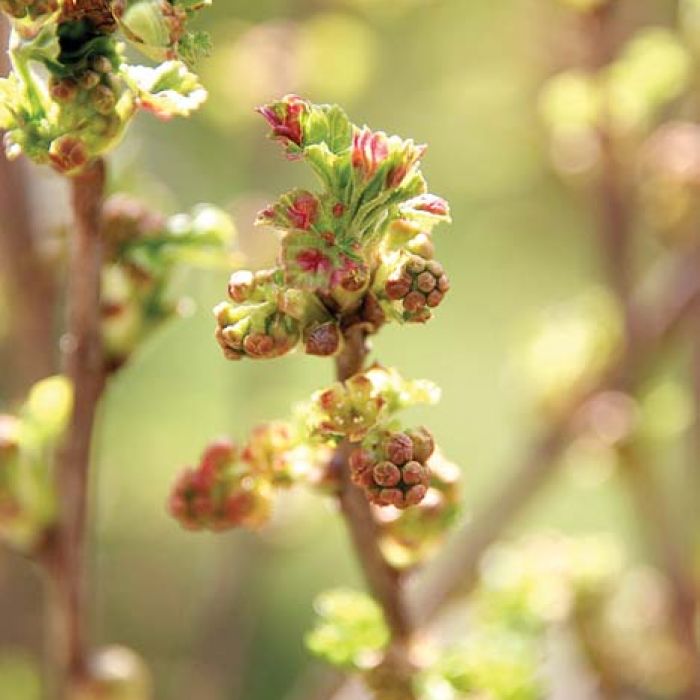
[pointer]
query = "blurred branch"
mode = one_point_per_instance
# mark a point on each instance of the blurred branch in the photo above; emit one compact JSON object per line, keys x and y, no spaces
{"x":65,"y":555}
{"x":29,"y":283}
{"x":456,"y":571}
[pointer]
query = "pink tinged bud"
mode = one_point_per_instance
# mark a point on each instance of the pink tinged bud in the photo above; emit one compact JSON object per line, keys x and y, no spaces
{"x":396,"y":175}
{"x":259,"y":345}
{"x":414,"y":495}
{"x":399,"y":448}
{"x":435,"y":268}
{"x":414,"y":473}
{"x":360,"y":461}
{"x":241,"y":285}
{"x":413,"y":301}
{"x":68,"y":153}
{"x":64,"y":90}
{"x":398,"y":288}
{"x":338,"y":210}
{"x":313,"y":260}
{"x":434,"y":298}
{"x":430,"y":204}
{"x":443,"y":283}
{"x":324,"y":340}
{"x":330,"y":399}
{"x":390,"y":497}
{"x":285,"y":119}
{"x":369,"y":150}
{"x":217,"y":456}
{"x":421,"y":316}
{"x":303,"y":211}
{"x":426,"y":282}
{"x":386,"y":474}
{"x":423,"y":444}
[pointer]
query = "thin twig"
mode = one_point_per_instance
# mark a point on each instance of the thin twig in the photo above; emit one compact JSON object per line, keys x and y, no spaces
{"x":383,"y":580}
{"x":82,"y":348}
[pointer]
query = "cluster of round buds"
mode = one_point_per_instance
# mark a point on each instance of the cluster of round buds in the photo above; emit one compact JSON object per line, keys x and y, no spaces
{"x":419,"y":285}
{"x":220,"y":493}
{"x":255,"y":324}
{"x":87,"y":99}
{"x":392,"y":467}
{"x":32,"y":9}
{"x":409,"y":536}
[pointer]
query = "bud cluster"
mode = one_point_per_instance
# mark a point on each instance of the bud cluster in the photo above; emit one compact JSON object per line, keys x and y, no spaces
{"x":353,"y":408}
{"x":220,"y":493}
{"x":82,"y":107}
{"x":412,"y":284}
{"x":264,"y":319}
{"x":409,"y":536}
{"x":234,"y":485}
{"x":143,"y":250}
{"x":391,"y":467}
{"x":337,"y":243}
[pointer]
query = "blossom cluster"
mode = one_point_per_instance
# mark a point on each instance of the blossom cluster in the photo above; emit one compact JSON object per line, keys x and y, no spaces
{"x":359,"y":251}
{"x":233,"y":486}
{"x":71,"y":93}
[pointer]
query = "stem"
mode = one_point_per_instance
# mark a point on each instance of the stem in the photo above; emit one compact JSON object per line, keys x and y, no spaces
{"x":663,"y":534}
{"x":383,"y":580}
{"x":84,"y":366}
{"x":26,"y":274}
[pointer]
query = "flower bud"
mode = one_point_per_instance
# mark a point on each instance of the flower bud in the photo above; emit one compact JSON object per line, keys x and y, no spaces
{"x":389,"y":471}
{"x":89,"y":79}
{"x":285,"y":118}
{"x":103,"y":99}
{"x":241,"y":285}
{"x":324,"y":339}
{"x":68,"y":154}
{"x":64,"y":90}
{"x":417,"y":284}
{"x":220,"y":493}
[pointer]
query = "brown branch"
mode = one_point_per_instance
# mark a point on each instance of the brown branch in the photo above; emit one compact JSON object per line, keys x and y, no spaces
{"x":65,"y":555}
{"x":383,"y":580}
{"x":663,"y":534}
{"x":28,"y":279}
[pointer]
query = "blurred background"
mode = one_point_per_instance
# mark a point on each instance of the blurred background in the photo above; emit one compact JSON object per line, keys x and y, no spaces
{"x":223,"y":616}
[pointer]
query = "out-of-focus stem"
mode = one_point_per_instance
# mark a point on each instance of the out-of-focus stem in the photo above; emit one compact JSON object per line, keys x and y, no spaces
{"x":83,"y":364}
{"x":665,"y":538}
{"x":27,"y":277}
{"x":456,"y":571}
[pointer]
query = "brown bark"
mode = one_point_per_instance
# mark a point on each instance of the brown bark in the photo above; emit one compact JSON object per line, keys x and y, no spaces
{"x":83,"y":364}
{"x":383,"y":580}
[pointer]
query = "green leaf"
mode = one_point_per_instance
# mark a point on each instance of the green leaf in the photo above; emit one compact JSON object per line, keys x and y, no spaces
{"x":350,"y":631}
{"x":168,"y":90}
